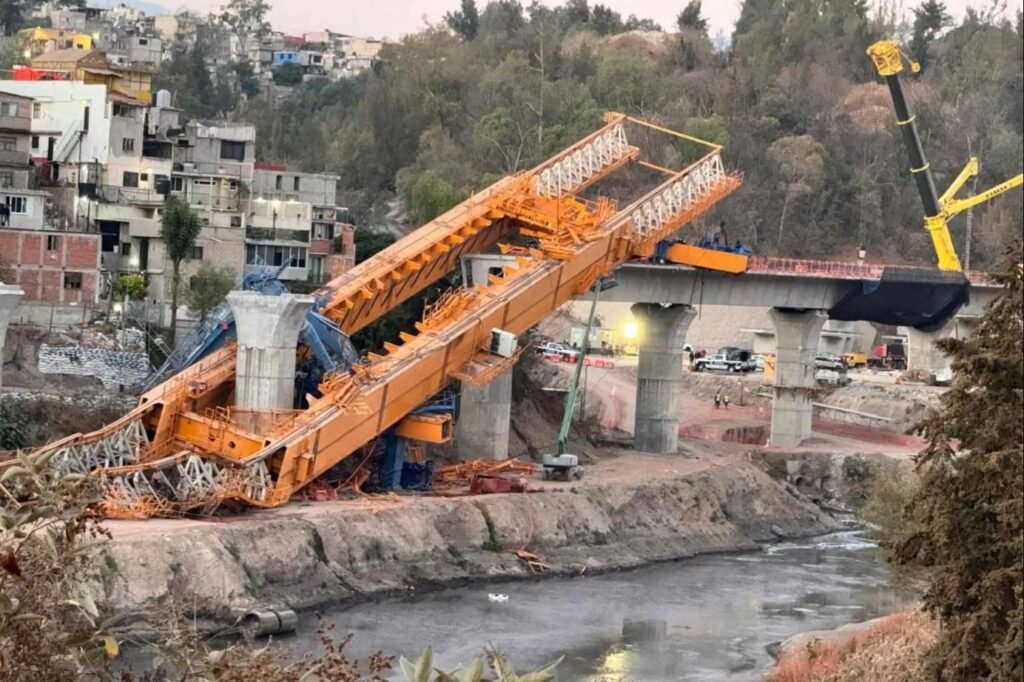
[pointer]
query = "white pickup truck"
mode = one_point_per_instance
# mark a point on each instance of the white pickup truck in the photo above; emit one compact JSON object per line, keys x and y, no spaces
{"x":717,"y":363}
{"x":559,"y":349}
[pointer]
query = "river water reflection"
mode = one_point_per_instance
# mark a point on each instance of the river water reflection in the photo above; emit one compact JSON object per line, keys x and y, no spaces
{"x":708,"y":618}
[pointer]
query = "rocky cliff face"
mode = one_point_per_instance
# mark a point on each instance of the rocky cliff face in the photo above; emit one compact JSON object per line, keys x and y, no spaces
{"x":311,"y":557}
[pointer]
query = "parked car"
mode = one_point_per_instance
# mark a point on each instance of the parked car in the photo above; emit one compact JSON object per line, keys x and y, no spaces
{"x":828,"y":361}
{"x":758,"y":362}
{"x":717,"y":363}
{"x":559,"y":349}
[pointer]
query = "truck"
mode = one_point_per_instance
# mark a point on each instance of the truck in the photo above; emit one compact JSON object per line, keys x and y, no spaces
{"x":888,"y":356}
{"x":719,"y":362}
{"x":559,"y":350}
{"x":855,"y":360}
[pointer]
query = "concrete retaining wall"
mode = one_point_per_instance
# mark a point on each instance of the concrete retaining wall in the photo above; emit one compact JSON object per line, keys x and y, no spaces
{"x":114,"y":368}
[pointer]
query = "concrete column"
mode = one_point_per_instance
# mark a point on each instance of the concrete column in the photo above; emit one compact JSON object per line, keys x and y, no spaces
{"x":10,"y":296}
{"x":660,"y":375}
{"x":921,"y":351}
{"x":485,"y":419}
{"x":796,"y":335}
{"x":268,"y":335}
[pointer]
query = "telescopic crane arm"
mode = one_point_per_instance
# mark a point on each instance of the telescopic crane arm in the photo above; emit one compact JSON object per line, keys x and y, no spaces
{"x":938,"y":210}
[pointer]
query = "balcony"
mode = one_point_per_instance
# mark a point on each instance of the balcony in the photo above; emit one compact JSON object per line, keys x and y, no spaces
{"x":130,"y":195}
{"x":15,"y":124}
{"x":276,"y":235}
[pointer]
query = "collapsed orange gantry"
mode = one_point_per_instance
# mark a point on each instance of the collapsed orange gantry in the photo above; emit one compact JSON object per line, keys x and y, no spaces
{"x":181,"y":448}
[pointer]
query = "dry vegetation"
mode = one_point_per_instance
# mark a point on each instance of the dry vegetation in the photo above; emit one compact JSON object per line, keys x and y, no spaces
{"x":891,"y":651}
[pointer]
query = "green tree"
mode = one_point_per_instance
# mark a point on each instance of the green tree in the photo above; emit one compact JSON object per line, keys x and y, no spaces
{"x":606,"y":21}
{"x":246,"y":19}
{"x":465,"y":22}
{"x":248,"y":84}
{"x":432,"y":195}
{"x":179,"y":229}
{"x":132,"y":285}
{"x":288,"y":74}
{"x":208,"y":288}
{"x":690,"y":17}
{"x":967,"y":522}
{"x":929,"y":19}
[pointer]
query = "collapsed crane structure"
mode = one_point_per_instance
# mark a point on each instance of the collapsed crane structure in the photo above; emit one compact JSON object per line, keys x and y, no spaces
{"x":193,"y":443}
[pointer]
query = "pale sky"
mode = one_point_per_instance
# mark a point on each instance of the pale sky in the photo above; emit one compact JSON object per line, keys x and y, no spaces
{"x":393,"y":18}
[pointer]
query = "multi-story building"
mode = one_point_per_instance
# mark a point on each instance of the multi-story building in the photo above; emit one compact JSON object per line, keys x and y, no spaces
{"x":91,"y":67}
{"x":275,"y":185}
{"x":23,"y":202}
{"x":56,"y":264}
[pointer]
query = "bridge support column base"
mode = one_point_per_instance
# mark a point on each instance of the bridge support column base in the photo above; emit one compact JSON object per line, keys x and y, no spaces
{"x":796,"y":334}
{"x":922,"y":354}
{"x":10,"y":296}
{"x":485,"y":419}
{"x":660,"y":375}
{"x":268,"y":333}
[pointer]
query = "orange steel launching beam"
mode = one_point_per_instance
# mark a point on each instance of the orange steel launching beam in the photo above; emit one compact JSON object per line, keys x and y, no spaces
{"x":206,"y":454}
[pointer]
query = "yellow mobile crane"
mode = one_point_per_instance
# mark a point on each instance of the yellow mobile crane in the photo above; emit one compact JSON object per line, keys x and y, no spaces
{"x":938,"y":211}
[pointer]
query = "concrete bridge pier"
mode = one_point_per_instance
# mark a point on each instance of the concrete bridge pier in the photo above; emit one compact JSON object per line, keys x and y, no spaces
{"x":485,"y":419}
{"x":10,"y":296}
{"x":268,"y":334}
{"x":796,"y":335}
{"x":922,"y":353}
{"x":659,"y":375}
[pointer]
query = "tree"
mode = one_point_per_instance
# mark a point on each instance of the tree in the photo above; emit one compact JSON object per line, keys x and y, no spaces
{"x":929,"y":19}
{"x":246,"y":19}
{"x":690,"y":17}
{"x":208,"y":288}
{"x":179,"y":229}
{"x":248,"y":84}
{"x":465,"y":22}
{"x":288,"y":74}
{"x":967,"y":521}
{"x":606,"y":21}
{"x":432,"y":195}
{"x":132,"y":285}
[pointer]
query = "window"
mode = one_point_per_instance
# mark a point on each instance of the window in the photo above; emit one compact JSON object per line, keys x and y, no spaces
{"x":126,"y":248}
{"x":6,"y":178}
{"x":230,"y":149}
{"x":52,"y":242}
{"x":267,"y":254}
{"x":196,"y":253}
{"x":72,"y":280}
{"x":295,"y":183}
{"x":277,"y":183}
{"x":143,"y":41}
{"x":9,"y":109}
{"x":35,"y":142}
{"x":8,"y":144}
{"x":37,"y":109}
{"x":144,"y":177}
{"x":129,"y":179}
{"x":236,"y":221}
{"x":122,"y":110}
{"x":17,"y":205}
{"x":128,"y":144}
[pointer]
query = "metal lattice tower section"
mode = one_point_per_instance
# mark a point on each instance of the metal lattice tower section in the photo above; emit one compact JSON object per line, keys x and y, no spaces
{"x":579,"y":167}
{"x":653,"y":215}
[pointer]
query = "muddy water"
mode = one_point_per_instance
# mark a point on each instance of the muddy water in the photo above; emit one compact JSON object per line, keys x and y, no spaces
{"x":709,"y":618}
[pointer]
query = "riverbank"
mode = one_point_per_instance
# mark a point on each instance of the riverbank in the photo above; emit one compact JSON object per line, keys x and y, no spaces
{"x":631,"y":510}
{"x":887,"y":649}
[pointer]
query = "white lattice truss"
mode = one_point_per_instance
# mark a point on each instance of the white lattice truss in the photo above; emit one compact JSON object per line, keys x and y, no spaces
{"x":121,"y":448}
{"x":567,"y":174}
{"x":654,"y":214}
{"x":188,"y":479}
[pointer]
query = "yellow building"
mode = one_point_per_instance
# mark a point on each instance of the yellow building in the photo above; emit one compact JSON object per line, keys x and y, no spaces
{"x":92,"y":67}
{"x":39,"y":40}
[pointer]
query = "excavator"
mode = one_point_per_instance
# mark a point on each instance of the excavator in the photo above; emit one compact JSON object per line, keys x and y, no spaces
{"x":188,"y":447}
{"x":938,"y":210}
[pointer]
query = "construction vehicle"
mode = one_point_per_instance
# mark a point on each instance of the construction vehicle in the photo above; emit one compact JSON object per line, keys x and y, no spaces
{"x":855,"y":359}
{"x":562,"y":464}
{"x":938,"y":210}
{"x":712,"y":252}
{"x":888,"y":356}
{"x":186,"y":447}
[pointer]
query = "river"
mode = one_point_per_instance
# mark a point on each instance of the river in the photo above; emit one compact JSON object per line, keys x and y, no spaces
{"x":708,"y":618}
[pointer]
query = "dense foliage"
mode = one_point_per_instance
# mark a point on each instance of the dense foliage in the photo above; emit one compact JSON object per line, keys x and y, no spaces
{"x":967,"y":520}
{"x":498,"y":87}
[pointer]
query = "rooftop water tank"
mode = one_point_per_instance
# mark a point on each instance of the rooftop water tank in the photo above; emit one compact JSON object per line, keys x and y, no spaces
{"x":163,"y":99}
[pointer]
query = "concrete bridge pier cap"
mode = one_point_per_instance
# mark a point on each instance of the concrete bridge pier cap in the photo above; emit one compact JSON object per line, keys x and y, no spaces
{"x":268,"y":335}
{"x":10,"y":296}
{"x":660,"y":375}
{"x":796,"y":334}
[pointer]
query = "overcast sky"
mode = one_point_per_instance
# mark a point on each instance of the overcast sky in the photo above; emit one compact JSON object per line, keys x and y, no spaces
{"x":392,"y":18}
